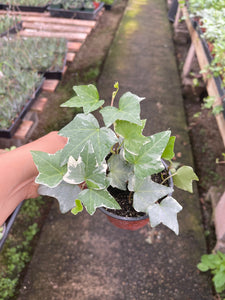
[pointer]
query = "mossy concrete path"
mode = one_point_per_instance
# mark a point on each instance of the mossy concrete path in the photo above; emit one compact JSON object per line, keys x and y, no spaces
{"x":86,"y":258}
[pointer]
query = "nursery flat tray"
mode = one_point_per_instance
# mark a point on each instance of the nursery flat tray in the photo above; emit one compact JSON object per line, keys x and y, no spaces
{"x":56,"y":74}
{"x":32,"y":99}
{"x":62,"y":13}
{"x":211,"y":86}
{"x":25,"y":8}
{"x":9,"y":133}
{"x":78,"y":14}
{"x":218,"y":79}
{"x":12,"y":30}
{"x":108,"y":6}
{"x":8,"y":224}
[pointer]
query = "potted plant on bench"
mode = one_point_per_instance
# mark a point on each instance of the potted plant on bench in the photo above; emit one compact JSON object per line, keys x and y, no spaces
{"x":18,"y":92}
{"x":9,"y":25}
{"x":25,"y":5}
{"x":79,"y":9}
{"x":99,"y":163}
{"x":45,"y":56}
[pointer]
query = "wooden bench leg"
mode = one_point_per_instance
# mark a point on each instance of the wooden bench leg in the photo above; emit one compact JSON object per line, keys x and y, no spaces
{"x":188,"y":63}
{"x":177,"y":19}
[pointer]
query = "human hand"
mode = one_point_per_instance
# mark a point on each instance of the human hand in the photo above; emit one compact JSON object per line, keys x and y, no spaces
{"x":18,"y":172}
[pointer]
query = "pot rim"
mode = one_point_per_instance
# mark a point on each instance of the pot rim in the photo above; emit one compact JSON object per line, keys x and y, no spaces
{"x":115,"y":216}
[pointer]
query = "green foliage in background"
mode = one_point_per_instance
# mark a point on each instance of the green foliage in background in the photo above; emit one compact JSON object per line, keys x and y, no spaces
{"x":215,"y":263}
{"x":17,"y":251}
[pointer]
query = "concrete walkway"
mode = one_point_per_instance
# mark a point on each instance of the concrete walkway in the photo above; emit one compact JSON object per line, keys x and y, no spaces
{"x":85,"y":257}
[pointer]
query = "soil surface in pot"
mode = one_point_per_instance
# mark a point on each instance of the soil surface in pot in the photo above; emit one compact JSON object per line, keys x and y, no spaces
{"x":125,"y":198}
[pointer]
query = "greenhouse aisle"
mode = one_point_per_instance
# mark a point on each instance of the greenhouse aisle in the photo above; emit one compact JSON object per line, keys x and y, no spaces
{"x":86,"y":258}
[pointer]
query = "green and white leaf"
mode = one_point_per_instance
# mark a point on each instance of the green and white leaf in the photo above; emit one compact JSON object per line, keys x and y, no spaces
{"x":87,"y":97}
{"x":84,"y":129}
{"x":119,"y":171}
{"x":93,"y":199}
{"x":132,"y":134}
{"x":65,"y":193}
{"x":85,"y":169}
{"x":166,"y":213}
{"x":49,"y":166}
{"x":75,"y":171}
{"x":183,"y":178}
{"x":146,"y":192}
{"x":148,"y":161}
{"x":129,"y":110}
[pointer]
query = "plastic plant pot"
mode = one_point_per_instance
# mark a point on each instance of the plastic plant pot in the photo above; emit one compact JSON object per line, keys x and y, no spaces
{"x":126,"y":222}
{"x":131,"y":223}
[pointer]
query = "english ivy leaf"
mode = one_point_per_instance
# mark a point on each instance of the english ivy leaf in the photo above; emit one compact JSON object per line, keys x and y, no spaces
{"x":85,"y":169}
{"x":148,"y":161}
{"x":92,"y":199}
{"x":87,"y":97}
{"x":129,"y":110}
{"x":95,"y":175}
{"x":82,"y":129}
{"x":119,"y":171}
{"x":75,"y":171}
{"x":132,"y":134}
{"x":166,"y":213}
{"x":78,"y":208}
{"x":183,"y":178}
{"x":65,"y":193}
{"x":168,"y":153}
{"x":146,"y":192}
{"x":49,"y":166}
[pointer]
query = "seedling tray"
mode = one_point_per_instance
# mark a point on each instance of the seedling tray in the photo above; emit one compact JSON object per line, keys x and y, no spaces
{"x":12,"y":30}
{"x":108,"y":6}
{"x":61,"y":13}
{"x":32,"y":99}
{"x":9,"y":133}
{"x":218,"y":79}
{"x":55,"y":74}
{"x":8,"y":224}
{"x":76,"y":14}
{"x":24,"y":8}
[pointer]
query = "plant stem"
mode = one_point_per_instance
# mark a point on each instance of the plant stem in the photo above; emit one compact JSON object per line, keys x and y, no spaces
{"x":167,"y":178}
{"x":116,"y":85}
{"x":129,"y":198}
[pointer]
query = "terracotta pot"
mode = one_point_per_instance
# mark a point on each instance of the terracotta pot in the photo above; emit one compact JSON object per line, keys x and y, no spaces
{"x":126,"y":222}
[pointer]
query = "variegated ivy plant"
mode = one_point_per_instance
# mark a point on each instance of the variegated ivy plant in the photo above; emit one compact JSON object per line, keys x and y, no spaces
{"x":134,"y":158}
